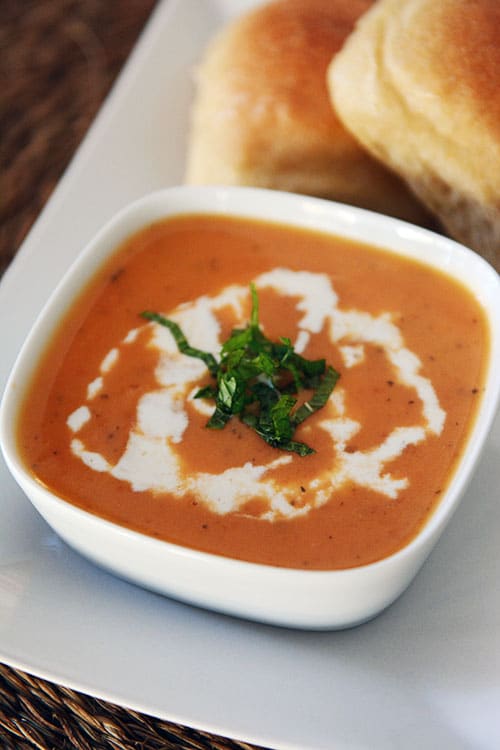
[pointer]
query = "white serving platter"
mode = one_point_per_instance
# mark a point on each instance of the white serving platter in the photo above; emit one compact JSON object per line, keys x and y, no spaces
{"x":424,"y":674}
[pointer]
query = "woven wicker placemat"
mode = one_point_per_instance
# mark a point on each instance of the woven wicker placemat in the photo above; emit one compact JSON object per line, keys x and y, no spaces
{"x":36,"y":714}
{"x":59,"y":59}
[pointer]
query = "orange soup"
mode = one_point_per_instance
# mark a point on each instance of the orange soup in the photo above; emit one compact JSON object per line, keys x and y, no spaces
{"x":111,"y":424}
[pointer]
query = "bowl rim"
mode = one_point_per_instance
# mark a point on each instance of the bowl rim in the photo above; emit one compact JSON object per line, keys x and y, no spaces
{"x":306,"y":212}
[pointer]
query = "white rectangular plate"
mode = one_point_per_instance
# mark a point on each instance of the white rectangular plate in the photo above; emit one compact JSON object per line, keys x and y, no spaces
{"x":425,"y":674}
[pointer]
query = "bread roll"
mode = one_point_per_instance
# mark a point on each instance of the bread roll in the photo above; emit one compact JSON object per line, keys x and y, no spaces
{"x":262,"y":114}
{"x":418,"y":83}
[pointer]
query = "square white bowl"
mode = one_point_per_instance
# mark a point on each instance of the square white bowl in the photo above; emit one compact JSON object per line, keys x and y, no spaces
{"x":281,"y":596}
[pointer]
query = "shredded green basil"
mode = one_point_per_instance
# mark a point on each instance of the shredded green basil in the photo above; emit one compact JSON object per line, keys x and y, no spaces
{"x":257,"y":379}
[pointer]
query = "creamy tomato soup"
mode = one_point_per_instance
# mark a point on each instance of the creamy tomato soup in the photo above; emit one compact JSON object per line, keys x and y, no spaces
{"x":111,"y":423}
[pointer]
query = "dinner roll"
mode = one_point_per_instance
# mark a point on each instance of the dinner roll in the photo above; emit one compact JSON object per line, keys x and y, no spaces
{"x":262,"y":114}
{"x":418,"y":83}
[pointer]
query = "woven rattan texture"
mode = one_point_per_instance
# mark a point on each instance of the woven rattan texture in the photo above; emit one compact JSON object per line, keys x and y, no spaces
{"x":37,"y":714}
{"x":59,"y":59}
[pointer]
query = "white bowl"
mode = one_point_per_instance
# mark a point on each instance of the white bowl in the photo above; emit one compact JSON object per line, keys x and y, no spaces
{"x":290,"y":597}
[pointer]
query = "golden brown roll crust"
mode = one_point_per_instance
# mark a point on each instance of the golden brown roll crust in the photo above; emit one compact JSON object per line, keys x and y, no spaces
{"x":262,"y":114}
{"x":418,"y":83}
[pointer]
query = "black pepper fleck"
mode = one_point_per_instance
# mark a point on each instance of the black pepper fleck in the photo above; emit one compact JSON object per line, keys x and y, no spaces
{"x":116,"y":275}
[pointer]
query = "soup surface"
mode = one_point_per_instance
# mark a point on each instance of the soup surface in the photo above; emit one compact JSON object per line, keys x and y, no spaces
{"x":110,"y":423}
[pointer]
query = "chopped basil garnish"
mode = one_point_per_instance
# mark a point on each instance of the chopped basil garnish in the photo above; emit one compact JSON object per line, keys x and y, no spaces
{"x":256,"y":379}
{"x":181,"y":341}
